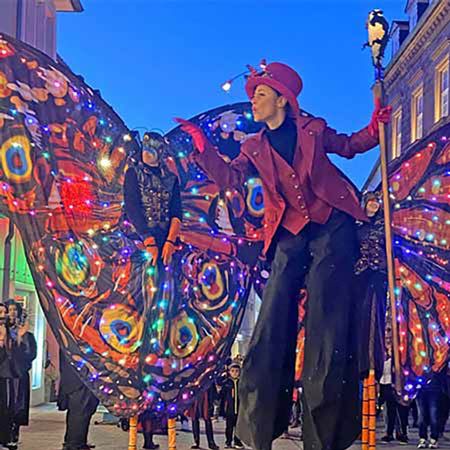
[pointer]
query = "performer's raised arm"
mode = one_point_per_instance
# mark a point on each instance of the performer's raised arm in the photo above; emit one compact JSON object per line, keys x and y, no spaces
{"x":224,"y":174}
{"x":350,"y":145}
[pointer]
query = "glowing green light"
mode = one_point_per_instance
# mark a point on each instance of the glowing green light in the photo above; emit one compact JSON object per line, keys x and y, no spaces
{"x":147,"y":378}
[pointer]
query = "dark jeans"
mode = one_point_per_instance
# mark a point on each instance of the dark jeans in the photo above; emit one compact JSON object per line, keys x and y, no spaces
{"x":81,"y":407}
{"x":208,"y":429}
{"x":320,"y":258}
{"x":394,"y":410}
{"x":428,"y":403}
{"x":230,"y":425}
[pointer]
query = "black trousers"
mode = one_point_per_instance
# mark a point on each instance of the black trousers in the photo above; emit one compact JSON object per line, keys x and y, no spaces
{"x":414,"y":412}
{"x":208,"y":430}
{"x":320,"y":258}
{"x":395,"y":411}
{"x":230,"y":425}
{"x":81,"y":407}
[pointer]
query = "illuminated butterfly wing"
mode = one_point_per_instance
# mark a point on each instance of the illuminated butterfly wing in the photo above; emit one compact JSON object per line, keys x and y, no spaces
{"x":421,"y":222}
{"x":140,"y":339}
{"x":420,"y":193}
{"x":63,"y":155}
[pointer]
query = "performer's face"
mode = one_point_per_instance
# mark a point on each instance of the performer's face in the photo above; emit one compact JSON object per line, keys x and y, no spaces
{"x":151,"y":158}
{"x":267,"y":104}
{"x":235,"y":373}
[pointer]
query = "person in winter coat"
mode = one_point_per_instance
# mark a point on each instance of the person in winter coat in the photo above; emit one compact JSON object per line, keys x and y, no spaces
{"x":26,"y":351}
{"x":203,"y":408}
{"x":230,"y":400}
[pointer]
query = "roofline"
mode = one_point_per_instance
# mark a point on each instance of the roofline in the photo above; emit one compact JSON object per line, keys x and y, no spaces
{"x":76,"y":5}
{"x":372,"y":174}
{"x":412,"y":34}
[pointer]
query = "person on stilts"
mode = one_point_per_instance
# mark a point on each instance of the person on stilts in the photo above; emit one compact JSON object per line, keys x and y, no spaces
{"x":310,"y":237}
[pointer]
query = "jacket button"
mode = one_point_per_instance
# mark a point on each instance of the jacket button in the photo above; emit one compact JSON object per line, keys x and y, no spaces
{"x":255,"y":153}
{"x":342,"y":197}
{"x":306,"y":216}
{"x":310,"y":133}
{"x":299,"y":197}
{"x":296,"y":186}
{"x":302,"y":207}
{"x":293,"y":175}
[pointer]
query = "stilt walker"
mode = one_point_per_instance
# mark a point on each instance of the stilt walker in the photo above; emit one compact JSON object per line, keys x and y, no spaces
{"x":310,"y":236}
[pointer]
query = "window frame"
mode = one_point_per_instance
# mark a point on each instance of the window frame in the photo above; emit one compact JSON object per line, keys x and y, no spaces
{"x":396,"y":133}
{"x":417,"y":118}
{"x":441,"y":68}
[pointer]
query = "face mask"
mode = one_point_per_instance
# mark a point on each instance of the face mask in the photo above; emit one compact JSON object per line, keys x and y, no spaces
{"x":153,"y":146}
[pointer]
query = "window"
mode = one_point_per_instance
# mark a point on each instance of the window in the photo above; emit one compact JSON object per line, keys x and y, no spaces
{"x":444,"y":92}
{"x":441,"y":97}
{"x":417,"y":114}
{"x":397,"y":133}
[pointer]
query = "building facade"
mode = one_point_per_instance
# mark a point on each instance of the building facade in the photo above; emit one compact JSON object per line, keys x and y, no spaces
{"x":34,"y":22}
{"x":417,"y":77}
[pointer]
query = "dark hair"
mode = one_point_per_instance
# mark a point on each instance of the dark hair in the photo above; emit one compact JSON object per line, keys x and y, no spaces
{"x":287,"y":107}
{"x":12,"y":302}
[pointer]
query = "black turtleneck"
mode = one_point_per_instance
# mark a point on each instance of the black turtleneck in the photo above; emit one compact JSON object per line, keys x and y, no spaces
{"x":284,"y":139}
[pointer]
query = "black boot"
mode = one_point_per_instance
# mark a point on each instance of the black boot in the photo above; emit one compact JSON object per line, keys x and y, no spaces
{"x":148,"y":441}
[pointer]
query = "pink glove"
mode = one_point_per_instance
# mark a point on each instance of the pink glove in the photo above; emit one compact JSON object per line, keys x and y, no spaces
{"x":198,"y":137}
{"x":379,"y":115}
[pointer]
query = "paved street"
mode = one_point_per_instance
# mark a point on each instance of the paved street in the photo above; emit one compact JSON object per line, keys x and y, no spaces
{"x":47,"y":428}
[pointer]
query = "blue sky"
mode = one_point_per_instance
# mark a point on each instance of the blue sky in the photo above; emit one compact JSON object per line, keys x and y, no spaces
{"x":153,"y":60}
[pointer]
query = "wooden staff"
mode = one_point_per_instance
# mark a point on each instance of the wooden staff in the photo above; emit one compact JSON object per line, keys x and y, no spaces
{"x":172,"y":433}
{"x":132,"y":436}
{"x":378,"y":95}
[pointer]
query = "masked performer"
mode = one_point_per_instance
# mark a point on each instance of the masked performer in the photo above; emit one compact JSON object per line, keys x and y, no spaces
{"x":153,"y":206}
